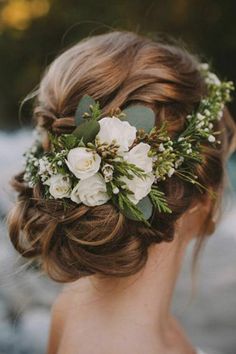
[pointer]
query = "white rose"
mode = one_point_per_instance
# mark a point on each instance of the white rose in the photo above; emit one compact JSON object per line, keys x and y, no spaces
{"x":59,"y":186}
{"x":82,"y":162}
{"x":138,"y":156}
{"x":90,"y":191}
{"x":115,"y":130}
{"x":139,"y":186}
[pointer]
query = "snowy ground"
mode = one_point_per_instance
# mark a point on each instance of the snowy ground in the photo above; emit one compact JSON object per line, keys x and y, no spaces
{"x":26,"y":296}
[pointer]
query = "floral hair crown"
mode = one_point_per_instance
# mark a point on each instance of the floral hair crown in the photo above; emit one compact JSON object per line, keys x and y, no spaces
{"x":123,"y":157}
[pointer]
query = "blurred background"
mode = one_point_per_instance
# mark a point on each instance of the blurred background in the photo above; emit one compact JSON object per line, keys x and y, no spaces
{"x":32,"y":34}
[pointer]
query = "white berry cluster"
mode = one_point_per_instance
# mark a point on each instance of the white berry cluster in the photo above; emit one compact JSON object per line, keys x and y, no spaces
{"x":31,"y":165}
{"x":211,"y":107}
{"x":46,"y":168}
{"x":165,"y":160}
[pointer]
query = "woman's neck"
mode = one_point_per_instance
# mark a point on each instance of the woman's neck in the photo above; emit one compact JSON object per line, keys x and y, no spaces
{"x":144,"y":298}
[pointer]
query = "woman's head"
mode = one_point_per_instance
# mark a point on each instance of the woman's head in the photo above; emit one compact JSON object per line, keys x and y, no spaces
{"x":117,"y":69}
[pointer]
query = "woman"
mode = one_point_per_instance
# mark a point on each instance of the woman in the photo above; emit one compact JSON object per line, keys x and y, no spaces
{"x":128,"y":167}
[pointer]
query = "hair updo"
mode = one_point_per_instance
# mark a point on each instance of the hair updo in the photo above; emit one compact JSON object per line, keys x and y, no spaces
{"x":117,"y":69}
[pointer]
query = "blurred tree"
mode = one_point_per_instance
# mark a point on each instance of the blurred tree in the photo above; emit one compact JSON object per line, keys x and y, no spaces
{"x":33,"y":32}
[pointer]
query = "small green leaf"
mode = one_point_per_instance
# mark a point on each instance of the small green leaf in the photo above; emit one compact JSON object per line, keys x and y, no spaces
{"x":87,"y":130}
{"x":146,"y":207}
{"x":159,"y":200}
{"x":81,"y":143}
{"x":139,"y":212}
{"x":140,"y":117}
{"x":129,"y":213}
{"x":83,"y":107}
{"x":69,"y":141}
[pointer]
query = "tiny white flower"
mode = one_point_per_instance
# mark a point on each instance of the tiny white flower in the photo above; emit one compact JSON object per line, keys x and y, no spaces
{"x":207,"y":112}
{"x":204,"y":66}
{"x":26,"y":177}
{"x":213,"y":79}
{"x":171,"y":172}
{"x":107,"y":171}
{"x":201,"y":124}
{"x":210,"y":125}
{"x":113,"y":129}
{"x":161,"y":147}
{"x":154,"y":158}
{"x":82,"y":162}
{"x":200,"y":116}
{"x":90,"y":191}
{"x":59,"y":186}
{"x":211,"y":138}
{"x":179,"y":161}
{"x":59,"y":163}
{"x":115,"y":190}
{"x":44,"y":166}
{"x":198,"y":126}
{"x":220,"y":115}
{"x":181,"y":138}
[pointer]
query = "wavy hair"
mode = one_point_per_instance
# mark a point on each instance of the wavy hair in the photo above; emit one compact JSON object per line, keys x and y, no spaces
{"x":117,"y":69}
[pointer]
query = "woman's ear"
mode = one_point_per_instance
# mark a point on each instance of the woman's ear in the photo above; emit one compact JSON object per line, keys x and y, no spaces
{"x":212,"y":209}
{"x":188,"y":223}
{"x":199,"y":219}
{"x":206,"y":215}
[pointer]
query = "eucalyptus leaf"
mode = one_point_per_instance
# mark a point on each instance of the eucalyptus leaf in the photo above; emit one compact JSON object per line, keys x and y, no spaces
{"x":139,"y":116}
{"x":145,"y":206}
{"x":87,"y":130}
{"x":83,"y":107}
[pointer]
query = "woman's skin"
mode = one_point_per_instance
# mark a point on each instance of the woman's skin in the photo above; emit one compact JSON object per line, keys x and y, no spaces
{"x":130,"y":315}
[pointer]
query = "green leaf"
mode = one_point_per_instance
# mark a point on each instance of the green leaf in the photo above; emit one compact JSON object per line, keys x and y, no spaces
{"x":68,"y":141}
{"x":159,"y":201}
{"x":140,"y":117}
{"x":87,"y":130}
{"x":146,"y":207}
{"x":139,"y":212}
{"x":83,"y":107}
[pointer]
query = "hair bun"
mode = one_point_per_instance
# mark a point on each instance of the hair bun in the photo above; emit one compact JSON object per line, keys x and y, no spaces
{"x":117,"y":69}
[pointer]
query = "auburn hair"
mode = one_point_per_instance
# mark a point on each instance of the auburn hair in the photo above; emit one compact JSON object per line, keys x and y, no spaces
{"x":117,"y":69}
